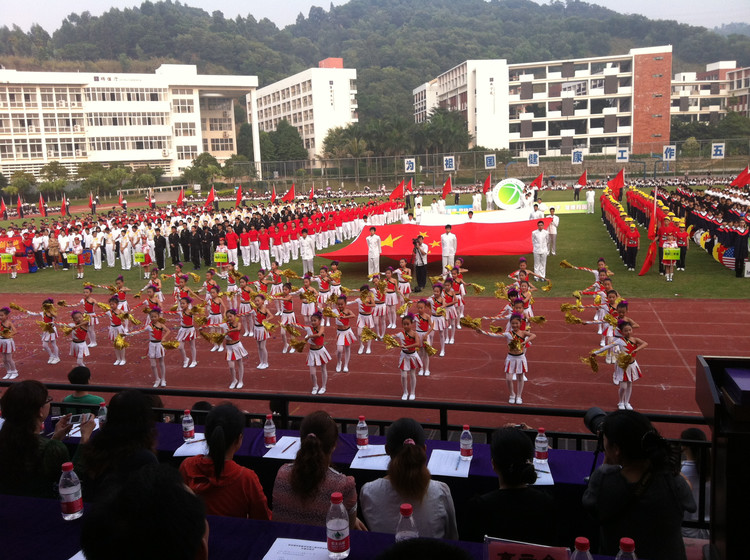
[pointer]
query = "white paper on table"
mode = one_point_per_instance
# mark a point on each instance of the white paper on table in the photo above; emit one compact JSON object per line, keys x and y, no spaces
{"x":78,"y":556}
{"x":448,"y":463}
{"x":285,"y":448}
{"x":373,"y":458}
{"x":192,"y":447}
{"x":76,"y":430}
{"x":283,"y":549}
{"x":543,"y":475}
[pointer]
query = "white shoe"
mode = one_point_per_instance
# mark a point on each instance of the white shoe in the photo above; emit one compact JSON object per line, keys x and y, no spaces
{"x":292,"y":350}
{"x":628,"y":406}
{"x":13,"y":375}
{"x":427,"y":373}
{"x":346,"y":369}
{"x":338,"y":367}
{"x":214,"y":348}
{"x":404,"y":396}
{"x":621,"y":406}
{"x":240,"y":385}
{"x":157,"y":382}
{"x":599,"y":330}
{"x":163,"y":383}
{"x":368,"y":351}
{"x":285,"y":349}
{"x":221,"y":348}
{"x":512,"y":399}
{"x":421,"y":372}
{"x":453,"y":340}
{"x":361,"y":350}
{"x":93,"y":345}
{"x":458,"y":326}
{"x":6,"y":376}
{"x":601,"y":343}
{"x":442,"y":353}
{"x":117,"y":363}
{"x":186,"y":363}
{"x":314,"y":390}
{"x":412,"y":397}
{"x":322,"y":391}
{"x":519,"y":400}
{"x":56,"y":360}
{"x":233,"y":384}
{"x":49,"y":361}
{"x":259,"y":366}
{"x":123,"y":362}
{"x":193,"y":364}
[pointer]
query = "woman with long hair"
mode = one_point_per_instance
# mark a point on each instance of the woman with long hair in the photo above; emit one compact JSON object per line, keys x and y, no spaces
{"x":409,"y":481}
{"x":302,"y":490}
{"x":225,"y":487}
{"x":638,"y":491}
{"x":29,"y":462}
{"x":125,"y":443}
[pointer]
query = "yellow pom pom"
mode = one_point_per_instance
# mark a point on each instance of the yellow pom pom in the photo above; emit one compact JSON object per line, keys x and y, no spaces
{"x":170,"y":344}
{"x":477,"y":288}
{"x":538,"y":319}
{"x":328,"y":312}
{"x":368,"y":334}
{"x":17,"y":307}
{"x":565,"y":264}
{"x":269,"y":326}
{"x":391,"y":341}
{"x":195,"y":277}
{"x":120,"y":343}
{"x":471,"y":323}
{"x":298,"y":344}
{"x":572,"y":319}
{"x":429,"y":350}
{"x":292,"y":330}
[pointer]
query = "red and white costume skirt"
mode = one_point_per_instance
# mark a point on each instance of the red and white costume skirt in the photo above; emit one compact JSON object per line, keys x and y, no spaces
{"x":323,"y":296}
{"x":345,"y":337}
{"x":631,"y":373}
{"x":318,"y":357}
{"x":409,"y":360}
{"x":288,"y":318}
{"x":379,"y":310}
{"x":50,"y":336}
{"x":450,"y":312}
{"x":235,"y":351}
{"x":391,"y":298}
{"x":404,"y":288}
{"x":365,"y":321}
{"x":115,"y":331}
{"x":245,"y":308}
{"x":438,"y":323}
{"x":517,"y":365}
{"x":79,"y":349}
{"x":260,"y":333}
{"x":155,"y":350}
{"x":7,"y":345}
{"x":308,"y":308}
{"x":186,"y":333}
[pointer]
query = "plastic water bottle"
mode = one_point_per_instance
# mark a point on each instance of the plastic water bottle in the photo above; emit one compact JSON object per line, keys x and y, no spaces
{"x":363,"y":435}
{"x":406,"y":528}
{"x":541,"y":447}
{"x":627,"y":550}
{"x":71,"y":500}
{"x":467,"y":444}
{"x":188,"y":426}
{"x":337,"y":528}
{"x":269,"y":432}
{"x":581,"y":551}
{"x":102,"y":414}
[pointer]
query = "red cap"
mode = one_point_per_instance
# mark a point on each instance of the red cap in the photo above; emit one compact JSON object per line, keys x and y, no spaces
{"x":67,"y":467}
{"x":466,"y":427}
{"x":406,"y":510}
{"x":269,"y":416}
{"x":582,"y":543}
{"x":361,"y":418}
{"x":187,"y":412}
{"x":337,"y":498}
{"x":541,"y":430}
{"x":627,"y":545}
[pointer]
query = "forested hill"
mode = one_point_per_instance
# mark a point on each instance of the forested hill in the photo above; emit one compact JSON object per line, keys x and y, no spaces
{"x":394,"y":44}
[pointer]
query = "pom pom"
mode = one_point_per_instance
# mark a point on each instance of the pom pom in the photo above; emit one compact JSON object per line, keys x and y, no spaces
{"x":66,"y":330}
{"x":548,"y":287}
{"x":565,"y":264}
{"x":46,"y":327}
{"x":195,"y":277}
{"x":624,"y":359}
{"x":332,"y":299}
{"x":200,"y":321}
{"x":436,"y":279}
{"x":471,"y":323}
{"x":298,"y":344}
{"x":103,"y":306}
{"x":120,"y":343}
{"x":402,"y":309}
{"x":368,"y":334}
{"x":213,"y":337}
{"x":346,"y":291}
{"x":137,"y":296}
{"x":406,"y":277}
{"x":308,"y":297}
{"x":333,"y":275}
{"x":291,"y":275}
{"x":328,"y":312}
{"x":269,"y":326}
{"x":429,"y":350}
{"x":590,"y":361}
{"x":173,"y":308}
{"x":292,"y":330}
{"x":537,"y":319}
{"x":170,"y":344}
{"x":49,"y":308}
{"x":391,"y":341}
{"x":17,"y":307}
{"x":598,"y":300}
{"x":496,"y":329}
{"x":572,"y":319}
{"x":610,"y":319}
{"x":568,"y":307}
{"x":477,"y":288}
{"x":515,"y":345}
{"x":166,"y":276}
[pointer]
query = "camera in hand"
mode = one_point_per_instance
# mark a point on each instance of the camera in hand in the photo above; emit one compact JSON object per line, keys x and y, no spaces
{"x":594,"y":419}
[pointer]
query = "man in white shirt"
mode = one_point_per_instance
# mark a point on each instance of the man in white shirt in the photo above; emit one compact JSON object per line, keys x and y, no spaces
{"x":420,"y":262}
{"x":373,"y":253}
{"x":489,"y":200}
{"x":306,"y":252}
{"x":540,"y":244}
{"x":418,"y":213}
{"x":476,"y":202}
{"x":448,"y":246}
{"x":590,"y":201}
{"x":552,"y":230}
{"x":536,"y":214}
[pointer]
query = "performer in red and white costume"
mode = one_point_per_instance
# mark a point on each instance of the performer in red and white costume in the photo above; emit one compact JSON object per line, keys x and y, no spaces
{"x":259,"y":330}
{"x":392,"y":297}
{"x":366,"y":307}
{"x":216,"y":310}
{"x":232,"y":289}
{"x":158,"y":332}
{"x":438,"y":319}
{"x":7,"y":345}
{"x":186,"y":334}
{"x":423,"y":321}
{"x":317,"y":355}
{"x":409,"y":361}
{"x":516,"y":366}
{"x":451,"y":313}
{"x":287,"y":315}
{"x":116,"y":328}
{"x":344,"y":334}
{"x":246,"y":306}
{"x":627,"y":369}
{"x":89,"y":307}
{"x":235,"y":350}
{"x":78,"y":347}
{"x":49,"y":332}
{"x":403,"y":273}
{"x":309,"y":297}
{"x":277,"y":285}
{"x":324,"y":291}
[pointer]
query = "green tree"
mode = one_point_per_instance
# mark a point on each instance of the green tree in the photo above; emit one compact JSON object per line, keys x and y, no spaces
{"x":22,"y":182}
{"x":144,"y":180}
{"x":245,"y":141}
{"x":357,"y":148}
{"x":54,"y":170}
{"x":238,"y":167}
{"x":691,"y":147}
{"x":288,"y":144}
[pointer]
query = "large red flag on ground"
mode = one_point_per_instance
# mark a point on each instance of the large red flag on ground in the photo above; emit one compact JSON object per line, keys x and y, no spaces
{"x":398,"y":192}
{"x":487,"y":184}
{"x":239,"y":197}
{"x":510,"y":238}
{"x":19,"y":207}
{"x":181,"y":197}
{"x":211,"y":197}
{"x":409,"y":186}
{"x":312,"y":192}
{"x":42,"y":209}
{"x":740,"y":179}
{"x":289,"y":196}
{"x":583,"y":179}
{"x":91,"y":201}
{"x":64,"y":206}
{"x":538,"y":181}
{"x":648,"y":262}
{"x":447,"y":188}
{"x":616,"y":184}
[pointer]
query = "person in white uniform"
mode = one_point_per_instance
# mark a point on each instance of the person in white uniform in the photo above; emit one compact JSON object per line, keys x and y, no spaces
{"x":373,"y":253}
{"x":590,"y":201}
{"x":448,"y":245}
{"x":540,"y":244}
{"x":306,"y":252}
{"x":552,"y":230}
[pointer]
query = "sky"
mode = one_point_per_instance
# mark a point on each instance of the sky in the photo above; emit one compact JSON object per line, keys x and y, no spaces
{"x":50,"y":13}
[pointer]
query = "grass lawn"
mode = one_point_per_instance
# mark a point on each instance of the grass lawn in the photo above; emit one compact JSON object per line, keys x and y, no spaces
{"x":582,"y":239}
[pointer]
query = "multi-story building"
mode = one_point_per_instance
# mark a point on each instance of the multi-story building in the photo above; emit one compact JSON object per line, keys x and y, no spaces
{"x":596,"y":104}
{"x":702,"y":96}
{"x":425,"y":100}
{"x":739,"y":90}
{"x":163,"y":119}
{"x":313,"y":101}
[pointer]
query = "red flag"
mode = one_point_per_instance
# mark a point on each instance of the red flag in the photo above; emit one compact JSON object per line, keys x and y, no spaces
{"x":289,"y":196}
{"x":616,"y":184}
{"x":119,"y":198}
{"x":538,"y":181}
{"x":648,"y":262}
{"x":91,"y":201}
{"x":740,"y":179}
{"x":181,"y":198}
{"x":409,"y":186}
{"x":650,"y":258}
{"x":653,"y":222}
{"x":583,"y":179}
{"x":487,"y":184}
{"x":3,"y":209}
{"x":64,"y":206}
{"x":398,"y":192}
{"x":447,"y":188}
{"x":42,"y":209}
{"x":19,"y":207}
{"x":239,"y":197}
{"x":211,"y":197}
{"x":312,"y":192}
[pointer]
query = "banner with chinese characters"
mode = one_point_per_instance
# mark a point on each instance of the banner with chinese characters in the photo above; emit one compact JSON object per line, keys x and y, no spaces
{"x":622,"y":155}
{"x":410,"y":165}
{"x":449,"y":163}
{"x":717,"y":150}
{"x":576,"y":157}
{"x":532,"y":159}
{"x":20,"y":260}
{"x":490,"y":161}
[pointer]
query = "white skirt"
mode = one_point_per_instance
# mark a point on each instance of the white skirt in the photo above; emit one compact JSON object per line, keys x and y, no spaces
{"x":318,"y":357}
{"x":438,"y":323}
{"x":288,"y":318}
{"x":365,"y":321}
{"x":79,"y":349}
{"x":7,"y":345}
{"x":408,"y":361}
{"x":50,"y":336}
{"x":323,"y":296}
{"x":632,"y":373}
{"x":159,"y":296}
{"x":379,"y":310}
{"x":245,"y":308}
{"x":516,"y":365}
{"x":260,"y":333}
{"x":277,"y":289}
{"x":232,"y":288}
{"x":528,"y":312}
{"x":115,"y":331}
{"x":336,"y":289}
{"x":308,"y":308}
{"x":345,"y":337}
{"x":122,"y":306}
{"x":215,"y":319}
{"x":155,"y":350}
{"x":93,"y":319}
{"x":404,"y":288}
{"x":391,"y":298}
{"x":186,"y":333}
{"x":451,"y":313}
{"x":235,"y":351}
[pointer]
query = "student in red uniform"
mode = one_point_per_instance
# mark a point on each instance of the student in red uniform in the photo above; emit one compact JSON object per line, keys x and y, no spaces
{"x":158,"y":332}
{"x":235,"y":350}
{"x":683,"y":241}
{"x":409,"y":361}
{"x":233,"y":241}
{"x":344,"y":334}
{"x":259,"y":330}
{"x":632,"y":244}
{"x":254,"y":245}
{"x":186,"y":334}
{"x":317,"y":356}
{"x":78,"y":347}
{"x":245,"y":247}
{"x":423,"y":322}
{"x":264,"y":248}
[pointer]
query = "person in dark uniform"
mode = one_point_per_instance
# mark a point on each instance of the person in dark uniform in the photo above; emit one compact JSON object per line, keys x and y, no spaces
{"x":174,"y":245}
{"x":196,"y":241}
{"x":207,"y":240}
{"x":160,"y":246}
{"x":185,"y":242}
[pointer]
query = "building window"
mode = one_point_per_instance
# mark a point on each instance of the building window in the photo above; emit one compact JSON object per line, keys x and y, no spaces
{"x":222,"y":144}
{"x":656,"y":116}
{"x":187,"y":152}
{"x":184,"y":129}
{"x":182,"y":92}
{"x":221,"y":123}
{"x":183,"y":106}
{"x":657,"y":75}
{"x":658,"y":58}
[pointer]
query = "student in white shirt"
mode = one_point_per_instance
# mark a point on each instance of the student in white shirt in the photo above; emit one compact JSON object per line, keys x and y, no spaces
{"x":373,"y":253}
{"x":540,"y":244}
{"x":449,"y":246}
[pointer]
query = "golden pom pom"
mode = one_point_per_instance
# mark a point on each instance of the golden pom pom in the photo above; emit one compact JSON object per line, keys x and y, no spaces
{"x":62,"y":303}
{"x":46,"y":327}
{"x":572,"y":319}
{"x":436,"y":279}
{"x":477,"y":288}
{"x":568,"y":307}
{"x":170,"y":344}
{"x":590,"y":361}
{"x":501,"y":294}
{"x":391,"y":342}
{"x":598,"y":300}
{"x":471,"y":323}
{"x":364,"y":293}
{"x":548,"y":287}
{"x":334,"y":275}
{"x":496,"y":329}
{"x":368,"y":334}
{"x":624,"y":359}
{"x":429,"y":350}
{"x":332,"y":299}
{"x":213,"y":337}
{"x":381,"y":286}
{"x":610,"y":319}
{"x":440,"y":312}
{"x":406,"y":277}
{"x":346,"y":291}
{"x":577,"y":294}
{"x":565,"y":264}
{"x":537,"y":319}
{"x":200,"y":320}
{"x":292,"y":329}
{"x":308,"y":297}
{"x":166,"y":276}
{"x":173,"y":308}
{"x":328,"y":312}
{"x":290,"y":274}
{"x":103,"y":306}
{"x":112,"y":289}
{"x":120,"y":343}
{"x":298,"y":344}
{"x":402,"y":309}
{"x":515,"y":345}
{"x":66,"y":330}
{"x":269,"y":326}
{"x":17,"y":307}
{"x":49,"y":308}
{"x":137,"y":296}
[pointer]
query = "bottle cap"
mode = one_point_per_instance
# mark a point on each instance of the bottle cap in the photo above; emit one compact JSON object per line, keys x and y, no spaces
{"x":361,"y":418}
{"x":406,"y":510}
{"x":269,"y":416}
{"x":582,"y":543}
{"x":67,"y":467}
{"x":541,"y":430}
{"x":337,"y":498}
{"x":627,"y":545}
{"x":466,"y":427}
{"x":101,"y":404}
{"x":187,"y":412}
